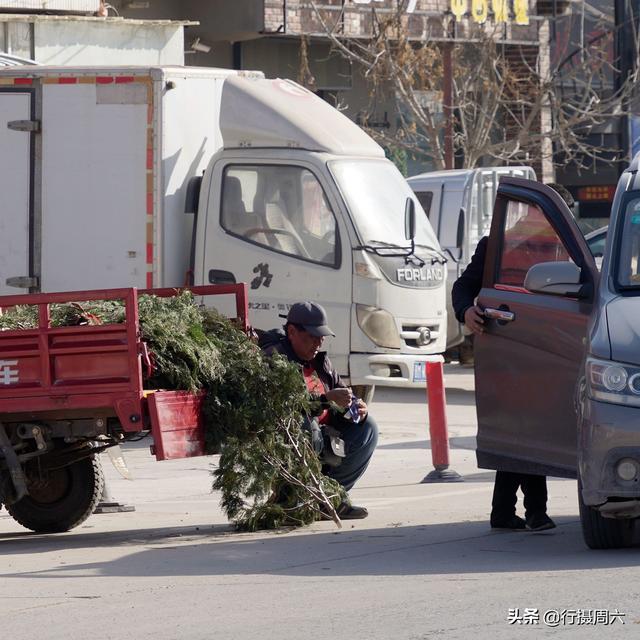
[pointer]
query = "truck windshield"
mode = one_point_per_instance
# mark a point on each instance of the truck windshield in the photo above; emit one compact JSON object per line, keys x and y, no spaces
{"x":376,"y":193}
{"x":628,"y":247}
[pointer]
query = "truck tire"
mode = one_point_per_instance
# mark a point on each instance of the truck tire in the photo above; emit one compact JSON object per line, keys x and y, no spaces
{"x":64,"y":500}
{"x":604,"y":533}
{"x":364,"y":392}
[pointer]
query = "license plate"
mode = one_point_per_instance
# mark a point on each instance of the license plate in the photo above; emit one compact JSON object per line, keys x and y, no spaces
{"x":419,"y":371}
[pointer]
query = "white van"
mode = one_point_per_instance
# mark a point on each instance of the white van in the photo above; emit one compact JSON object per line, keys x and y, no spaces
{"x":459,"y":205}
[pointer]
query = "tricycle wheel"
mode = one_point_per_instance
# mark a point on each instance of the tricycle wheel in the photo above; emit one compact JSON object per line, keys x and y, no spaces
{"x":604,"y":533}
{"x":59,"y":499}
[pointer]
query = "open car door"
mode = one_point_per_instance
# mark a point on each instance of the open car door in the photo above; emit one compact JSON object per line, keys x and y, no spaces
{"x":528,"y":360}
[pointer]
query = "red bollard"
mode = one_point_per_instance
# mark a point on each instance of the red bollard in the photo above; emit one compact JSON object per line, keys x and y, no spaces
{"x":438,"y":432}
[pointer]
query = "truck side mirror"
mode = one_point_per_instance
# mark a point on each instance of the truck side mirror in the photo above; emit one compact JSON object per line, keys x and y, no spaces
{"x":410,"y":219}
{"x":555,"y":278}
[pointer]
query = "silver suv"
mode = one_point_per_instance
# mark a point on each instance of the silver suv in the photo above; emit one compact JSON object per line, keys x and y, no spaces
{"x":558,"y":367}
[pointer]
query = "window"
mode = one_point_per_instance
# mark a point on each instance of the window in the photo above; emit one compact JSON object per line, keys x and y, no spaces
{"x":528,"y":239}
{"x":628,"y":247}
{"x":425,"y":198}
{"x":280,"y":207}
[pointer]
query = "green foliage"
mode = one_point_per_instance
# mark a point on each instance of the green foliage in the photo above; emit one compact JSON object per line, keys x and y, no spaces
{"x":184,"y":356}
{"x":22,"y":317}
{"x":65,"y":315}
{"x":268,"y":473}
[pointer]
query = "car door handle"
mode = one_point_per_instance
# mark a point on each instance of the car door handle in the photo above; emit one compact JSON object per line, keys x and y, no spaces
{"x":501,"y":315}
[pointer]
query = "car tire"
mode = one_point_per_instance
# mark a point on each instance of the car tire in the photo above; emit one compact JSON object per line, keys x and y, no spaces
{"x":604,"y":533}
{"x":62,"y":499}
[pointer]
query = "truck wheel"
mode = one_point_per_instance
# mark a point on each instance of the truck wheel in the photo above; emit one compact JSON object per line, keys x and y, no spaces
{"x":364,"y":392}
{"x":60,"y":499}
{"x":604,"y":533}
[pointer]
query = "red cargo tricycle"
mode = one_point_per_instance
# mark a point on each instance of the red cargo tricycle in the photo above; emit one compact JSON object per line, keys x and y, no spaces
{"x":69,"y":393}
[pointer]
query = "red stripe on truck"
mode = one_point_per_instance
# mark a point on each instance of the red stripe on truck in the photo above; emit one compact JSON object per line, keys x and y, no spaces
{"x":23,"y":81}
{"x":124,"y":79}
{"x":104,"y":80}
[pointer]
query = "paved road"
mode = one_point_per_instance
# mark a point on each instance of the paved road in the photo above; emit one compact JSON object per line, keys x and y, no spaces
{"x":423,"y":565}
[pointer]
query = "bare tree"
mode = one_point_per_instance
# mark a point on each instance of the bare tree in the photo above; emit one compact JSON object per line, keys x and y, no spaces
{"x":473,"y":94}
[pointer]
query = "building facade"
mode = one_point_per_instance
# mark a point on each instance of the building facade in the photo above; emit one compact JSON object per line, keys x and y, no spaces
{"x":290,"y":38}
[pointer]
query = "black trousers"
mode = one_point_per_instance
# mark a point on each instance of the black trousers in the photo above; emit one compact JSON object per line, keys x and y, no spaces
{"x":505,"y":496}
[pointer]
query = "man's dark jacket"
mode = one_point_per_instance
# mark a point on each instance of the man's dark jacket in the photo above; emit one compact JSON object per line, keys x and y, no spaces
{"x":467,"y":287}
{"x":275,"y":341}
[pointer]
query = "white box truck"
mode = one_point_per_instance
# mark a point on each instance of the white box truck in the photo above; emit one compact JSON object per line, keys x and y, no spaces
{"x":155,"y":177}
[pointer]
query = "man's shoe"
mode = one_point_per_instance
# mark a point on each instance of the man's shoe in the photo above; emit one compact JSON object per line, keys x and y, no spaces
{"x":513,"y":523}
{"x":540,"y":522}
{"x":345,"y":511}
{"x":348,"y":511}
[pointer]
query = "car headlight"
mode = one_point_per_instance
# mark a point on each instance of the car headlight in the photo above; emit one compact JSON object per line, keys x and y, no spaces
{"x":613,"y":382}
{"x":379,"y":326}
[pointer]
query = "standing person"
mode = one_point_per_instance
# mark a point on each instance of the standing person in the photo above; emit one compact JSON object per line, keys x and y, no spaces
{"x":304,"y":332}
{"x":503,"y":506}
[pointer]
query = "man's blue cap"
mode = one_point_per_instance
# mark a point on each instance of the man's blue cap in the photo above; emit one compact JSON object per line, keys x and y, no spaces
{"x":312,"y":317}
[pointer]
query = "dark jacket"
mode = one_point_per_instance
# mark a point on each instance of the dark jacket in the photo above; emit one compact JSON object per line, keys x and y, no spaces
{"x":275,"y":341}
{"x":467,"y":287}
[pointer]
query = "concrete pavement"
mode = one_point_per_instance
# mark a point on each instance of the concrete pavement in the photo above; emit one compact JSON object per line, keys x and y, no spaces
{"x":423,"y":565}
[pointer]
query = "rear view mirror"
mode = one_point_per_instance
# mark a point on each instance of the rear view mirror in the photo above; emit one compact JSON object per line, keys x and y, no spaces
{"x":555,"y":278}
{"x":410,"y":219}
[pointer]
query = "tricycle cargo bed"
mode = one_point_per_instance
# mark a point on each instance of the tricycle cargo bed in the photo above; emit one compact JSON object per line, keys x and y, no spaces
{"x":94,"y":373}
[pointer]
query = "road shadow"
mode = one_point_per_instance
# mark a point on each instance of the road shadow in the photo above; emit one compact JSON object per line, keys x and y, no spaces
{"x":454,"y":548}
{"x":29,"y":542}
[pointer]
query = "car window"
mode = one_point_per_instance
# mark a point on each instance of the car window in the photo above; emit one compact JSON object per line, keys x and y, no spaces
{"x":425,"y":198}
{"x":282,"y":208}
{"x":596,"y":244}
{"x":528,"y":239}
{"x":628,"y":247}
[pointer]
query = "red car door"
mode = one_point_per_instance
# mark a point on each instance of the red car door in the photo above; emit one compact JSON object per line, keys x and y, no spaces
{"x":527,"y":362}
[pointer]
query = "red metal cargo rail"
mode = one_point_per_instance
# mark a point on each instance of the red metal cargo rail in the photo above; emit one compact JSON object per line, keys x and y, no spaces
{"x":96,"y":370}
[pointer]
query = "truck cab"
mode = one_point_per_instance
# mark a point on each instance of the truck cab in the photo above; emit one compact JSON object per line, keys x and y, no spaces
{"x":301,"y":204}
{"x":290,"y":196}
{"x":558,"y":366}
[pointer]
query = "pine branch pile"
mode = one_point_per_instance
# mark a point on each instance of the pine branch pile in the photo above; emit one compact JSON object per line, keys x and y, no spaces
{"x":268,"y":473}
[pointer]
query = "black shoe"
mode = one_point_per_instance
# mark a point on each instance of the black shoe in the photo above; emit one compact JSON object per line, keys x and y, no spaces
{"x":513,"y":523}
{"x":345,"y":511}
{"x":348,"y":511}
{"x":540,"y":522}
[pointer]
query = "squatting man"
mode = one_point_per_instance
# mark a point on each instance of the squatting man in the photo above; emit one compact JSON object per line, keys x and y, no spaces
{"x":339,"y":412}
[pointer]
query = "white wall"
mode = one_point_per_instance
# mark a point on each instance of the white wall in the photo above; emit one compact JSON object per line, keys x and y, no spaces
{"x":99,"y":42}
